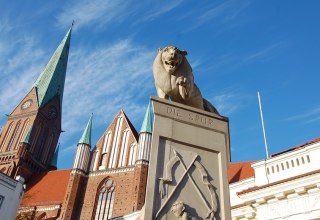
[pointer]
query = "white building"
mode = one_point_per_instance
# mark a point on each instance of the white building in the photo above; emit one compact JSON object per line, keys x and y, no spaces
{"x":11,"y":192}
{"x":285,"y":186}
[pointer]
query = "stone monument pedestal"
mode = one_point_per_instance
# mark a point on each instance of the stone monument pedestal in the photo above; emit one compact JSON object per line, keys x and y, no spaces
{"x":189,"y":156}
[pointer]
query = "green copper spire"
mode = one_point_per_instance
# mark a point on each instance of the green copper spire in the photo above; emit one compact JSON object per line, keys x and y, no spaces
{"x":26,"y":139}
{"x":86,"y":136}
{"x":51,"y":81}
{"x":54,"y":161}
{"x":147,"y":121}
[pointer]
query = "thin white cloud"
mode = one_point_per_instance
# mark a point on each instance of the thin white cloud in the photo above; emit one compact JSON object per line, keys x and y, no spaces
{"x":226,"y":12}
{"x":5,"y":26}
{"x":101,"y":13}
{"x":21,"y":58}
{"x":310,"y":116}
{"x":313,"y":120}
{"x":264,"y":52}
{"x":160,"y":8}
{"x":105,"y":80}
{"x":232,"y":61}
{"x":228,"y":101}
{"x":67,"y":150}
{"x":94,"y":13}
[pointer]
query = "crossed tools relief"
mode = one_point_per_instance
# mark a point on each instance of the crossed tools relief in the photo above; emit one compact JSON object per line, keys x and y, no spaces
{"x":178,"y":208}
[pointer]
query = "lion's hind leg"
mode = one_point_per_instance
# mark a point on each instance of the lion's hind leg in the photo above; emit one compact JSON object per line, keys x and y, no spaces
{"x":161,"y":94}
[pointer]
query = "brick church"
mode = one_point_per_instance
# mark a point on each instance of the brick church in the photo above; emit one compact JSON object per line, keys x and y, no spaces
{"x":107,"y":179}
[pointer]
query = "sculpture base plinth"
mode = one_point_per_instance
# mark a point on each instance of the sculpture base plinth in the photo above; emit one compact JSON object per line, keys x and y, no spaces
{"x":189,"y":156}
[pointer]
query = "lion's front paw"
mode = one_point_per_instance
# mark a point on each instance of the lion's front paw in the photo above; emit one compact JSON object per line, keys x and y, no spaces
{"x":182,"y":81}
{"x":184,"y":87}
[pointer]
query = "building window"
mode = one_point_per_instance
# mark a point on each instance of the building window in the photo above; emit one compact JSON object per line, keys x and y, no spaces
{"x":22,"y":133}
{"x":35,"y":140}
{"x":6,"y":136}
{"x":48,"y":149}
{"x":115,"y":146}
{"x":107,"y":142}
{"x":132,"y":154}
{"x":105,"y":200}
{"x":41,"y":144}
{"x":124,"y":149}
{"x":13,"y":136}
{"x":308,"y":158}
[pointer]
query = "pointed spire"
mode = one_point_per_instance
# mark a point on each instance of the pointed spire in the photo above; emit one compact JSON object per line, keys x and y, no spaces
{"x":51,"y":81}
{"x":86,"y":136}
{"x":26,"y":139}
{"x":147,"y":121}
{"x":54,"y":161}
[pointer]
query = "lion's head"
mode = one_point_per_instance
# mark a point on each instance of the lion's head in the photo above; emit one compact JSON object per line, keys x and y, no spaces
{"x":171,"y":58}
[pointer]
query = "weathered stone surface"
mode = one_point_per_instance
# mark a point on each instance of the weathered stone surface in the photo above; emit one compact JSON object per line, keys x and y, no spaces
{"x":188,"y":165}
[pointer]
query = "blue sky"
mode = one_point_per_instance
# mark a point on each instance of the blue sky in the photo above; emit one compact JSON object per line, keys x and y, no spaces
{"x":236,"y":48}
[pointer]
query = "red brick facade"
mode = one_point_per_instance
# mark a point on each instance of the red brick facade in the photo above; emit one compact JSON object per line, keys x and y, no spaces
{"x":45,"y":132}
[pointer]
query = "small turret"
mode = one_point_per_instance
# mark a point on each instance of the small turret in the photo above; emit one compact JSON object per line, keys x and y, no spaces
{"x":145,"y":137}
{"x":83,"y":149}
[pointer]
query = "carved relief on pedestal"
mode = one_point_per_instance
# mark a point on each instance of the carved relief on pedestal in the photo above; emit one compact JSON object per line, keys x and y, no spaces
{"x":188,"y":160}
{"x":178,"y":210}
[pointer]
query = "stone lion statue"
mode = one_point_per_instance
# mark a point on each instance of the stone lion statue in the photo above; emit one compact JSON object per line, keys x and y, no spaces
{"x":174,"y":79}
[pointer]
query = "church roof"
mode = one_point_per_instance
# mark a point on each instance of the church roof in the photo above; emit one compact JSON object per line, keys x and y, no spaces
{"x":51,"y":81}
{"x":147,"y":121}
{"x":86,"y":136}
{"x":46,"y":188}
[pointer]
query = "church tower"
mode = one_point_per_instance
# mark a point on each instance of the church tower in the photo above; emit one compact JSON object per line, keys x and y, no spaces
{"x":30,"y":135}
{"x":142,"y":162}
{"x":78,"y":176}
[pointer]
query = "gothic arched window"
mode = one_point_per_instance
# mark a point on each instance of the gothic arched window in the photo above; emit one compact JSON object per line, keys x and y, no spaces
{"x":14,"y":134}
{"x":105,"y":200}
{"x":23,"y":131}
{"x":6,"y":136}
